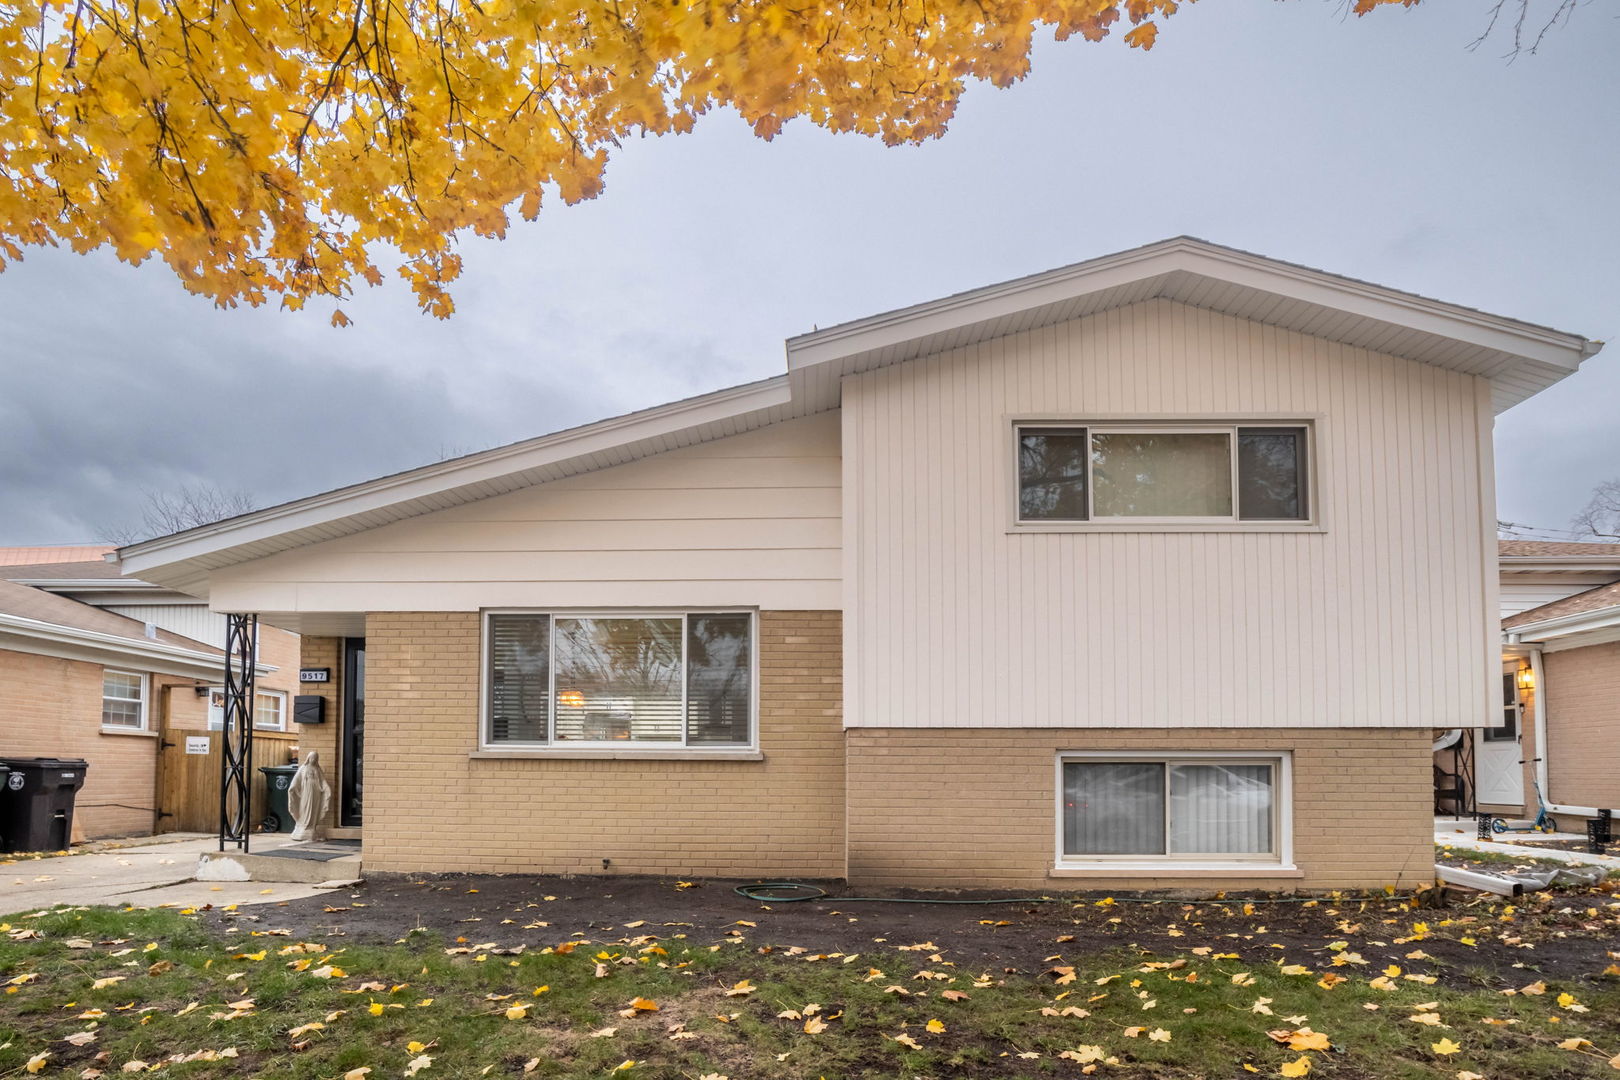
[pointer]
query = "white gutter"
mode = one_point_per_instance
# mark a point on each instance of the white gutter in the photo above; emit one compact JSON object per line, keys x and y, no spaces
{"x":1541,"y":743}
{"x":146,"y":650}
{"x":1596,"y":619}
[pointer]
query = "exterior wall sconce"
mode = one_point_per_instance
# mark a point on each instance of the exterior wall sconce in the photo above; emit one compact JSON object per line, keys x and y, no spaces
{"x":1527,"y":678}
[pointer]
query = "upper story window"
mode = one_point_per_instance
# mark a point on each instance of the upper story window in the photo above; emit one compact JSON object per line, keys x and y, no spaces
{"x":123,"y":700}
{"x":654,"y":681}
{"x":1163,"y":473}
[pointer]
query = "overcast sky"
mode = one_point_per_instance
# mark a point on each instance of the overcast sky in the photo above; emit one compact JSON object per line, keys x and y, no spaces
{"x":1378,"y":147}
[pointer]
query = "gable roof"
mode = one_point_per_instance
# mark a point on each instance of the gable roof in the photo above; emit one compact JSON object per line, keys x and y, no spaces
{"x":1518,"y":358}
{"x":24,"y":556}
{"x":91,"y":570}
{"x":35,"y":621}
{"x":23,"y":602}
{"x":1566,"y":615}
{"x":1554,"y":549}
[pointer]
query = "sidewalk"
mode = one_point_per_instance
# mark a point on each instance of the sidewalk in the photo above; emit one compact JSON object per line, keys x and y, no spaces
{"x":151,"y":873}
{"x":1464,"y":833}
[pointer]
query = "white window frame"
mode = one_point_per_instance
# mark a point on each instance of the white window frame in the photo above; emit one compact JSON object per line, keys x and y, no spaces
{"x":1222,"y":425}
{"x":1282,"y":812}
{"x":145,"y":693}
{"x":620,"y":747}
{"x":281,"y":699}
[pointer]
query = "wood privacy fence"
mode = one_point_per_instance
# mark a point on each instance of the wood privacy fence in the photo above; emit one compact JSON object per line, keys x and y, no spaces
{"x":188,"y":776}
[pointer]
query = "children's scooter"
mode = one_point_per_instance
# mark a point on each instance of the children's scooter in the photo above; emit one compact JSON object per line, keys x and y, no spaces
{"x":1544,"y":822}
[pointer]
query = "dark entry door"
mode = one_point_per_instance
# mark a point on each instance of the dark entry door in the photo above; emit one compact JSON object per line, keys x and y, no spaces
{"x":354,"y":731}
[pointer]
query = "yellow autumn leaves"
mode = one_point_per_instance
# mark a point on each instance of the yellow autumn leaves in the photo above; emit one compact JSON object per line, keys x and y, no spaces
{"x":288,"y":150}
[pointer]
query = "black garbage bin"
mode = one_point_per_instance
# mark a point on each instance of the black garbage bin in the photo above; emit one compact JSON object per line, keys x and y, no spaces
{"x":36,"y":804}
{"x":278,"y":778}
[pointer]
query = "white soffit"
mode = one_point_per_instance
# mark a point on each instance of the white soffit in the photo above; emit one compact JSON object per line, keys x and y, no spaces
{"x":1519,"y":358}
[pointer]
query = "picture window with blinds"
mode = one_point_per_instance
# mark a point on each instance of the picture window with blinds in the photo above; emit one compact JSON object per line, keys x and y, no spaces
{"x":652,"y":681}
{"x":1163,"y":473}
{"x":1190,"y":810}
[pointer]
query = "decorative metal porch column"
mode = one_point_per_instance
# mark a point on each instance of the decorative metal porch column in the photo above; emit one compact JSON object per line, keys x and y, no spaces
{"x":236,"y":764}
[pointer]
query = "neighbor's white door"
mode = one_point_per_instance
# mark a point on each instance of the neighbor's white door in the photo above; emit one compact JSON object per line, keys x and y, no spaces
{"x":1498,"y":775}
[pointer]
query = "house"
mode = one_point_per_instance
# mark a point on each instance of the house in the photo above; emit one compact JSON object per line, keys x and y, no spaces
{"x":1560,"y":685}
{"x":1141,"y":572}
{"x":114,"y":670}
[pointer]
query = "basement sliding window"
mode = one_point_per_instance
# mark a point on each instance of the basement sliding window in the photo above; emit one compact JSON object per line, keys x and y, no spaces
{"x":1203,"y":809}
{"x":612,"y":680}
{"x":1162,"y":473}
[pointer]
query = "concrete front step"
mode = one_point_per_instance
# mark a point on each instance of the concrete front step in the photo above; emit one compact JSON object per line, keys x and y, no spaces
{"x":275,"y":866}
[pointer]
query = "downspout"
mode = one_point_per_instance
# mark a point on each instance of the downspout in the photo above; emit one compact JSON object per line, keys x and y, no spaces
{"x":1542,"y":749}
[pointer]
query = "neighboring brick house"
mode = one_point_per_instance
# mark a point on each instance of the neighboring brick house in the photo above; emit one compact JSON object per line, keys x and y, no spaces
{"x":1153,"y":571}
{"x":92,"y":667}
{"x":1560,"y":684}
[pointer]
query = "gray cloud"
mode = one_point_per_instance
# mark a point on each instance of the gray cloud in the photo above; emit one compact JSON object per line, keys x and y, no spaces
{"x":1377,"y":147}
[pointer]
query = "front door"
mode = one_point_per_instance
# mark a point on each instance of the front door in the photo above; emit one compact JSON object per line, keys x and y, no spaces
{"x":352,"y":737}
{"x":1500,"y":776}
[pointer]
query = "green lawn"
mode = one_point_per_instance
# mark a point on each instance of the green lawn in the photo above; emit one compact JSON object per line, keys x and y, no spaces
{"x":96,"y":991}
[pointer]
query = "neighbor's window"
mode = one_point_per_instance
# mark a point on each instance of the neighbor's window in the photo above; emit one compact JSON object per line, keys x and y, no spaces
{"x":1197,"y":809}
{"x":270,"y":711}
{"x":123,"y":700}
{"x":659,"y":680}
{"x":1162,"y":474}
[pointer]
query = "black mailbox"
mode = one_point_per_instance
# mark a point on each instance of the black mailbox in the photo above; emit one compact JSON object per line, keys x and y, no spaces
{"x":309,"y":709}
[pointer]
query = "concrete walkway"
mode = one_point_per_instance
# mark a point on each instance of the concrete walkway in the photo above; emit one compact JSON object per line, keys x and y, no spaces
{"x":150,"y":873}
{"x":1463,"y":833}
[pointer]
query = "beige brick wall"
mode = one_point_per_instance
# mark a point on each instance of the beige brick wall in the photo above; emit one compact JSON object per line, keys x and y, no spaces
{"x":431,"y":807}
{"x":976,"y":808}
{"x":324,"y":652}
{"x":52,"y":708}
{"x":1583,"y":726}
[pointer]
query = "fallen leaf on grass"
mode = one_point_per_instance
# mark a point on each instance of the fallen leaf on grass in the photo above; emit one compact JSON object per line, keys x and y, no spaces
{"x":814,"y":1026}
{"x":81,"y":1038}
{"x":1300,"y":1066}
{"x":906,"y":1040}
{"x":37,"y":1062}
{"x":742,"y":989}
{"x":417,"y":1064}
{"x":1573,"y":1044}
{"x":1444,"y":1047}
{"x":934,"y":1027}
{"x":603,"y":1033}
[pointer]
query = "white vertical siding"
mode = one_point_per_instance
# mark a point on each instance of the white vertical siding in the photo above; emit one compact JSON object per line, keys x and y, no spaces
{"x":748,"y":520}
{"x":194,"y":621}
{"x":1379,"y":619}
{"x":1521,"y":592}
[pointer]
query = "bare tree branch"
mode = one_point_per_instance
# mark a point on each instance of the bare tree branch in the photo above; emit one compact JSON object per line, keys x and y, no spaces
{"x":1602,"y":515}
{"x":185,"y":507}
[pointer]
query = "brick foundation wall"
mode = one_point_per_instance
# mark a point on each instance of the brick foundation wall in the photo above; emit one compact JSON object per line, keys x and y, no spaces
{"x":432,"y":807}
{"x":53,"y":709}
{"x":977,"y":808}
{"x":1583,"y":726}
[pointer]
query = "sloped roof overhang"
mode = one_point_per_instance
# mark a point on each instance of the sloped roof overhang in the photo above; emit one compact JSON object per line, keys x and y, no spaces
{"x":1518,"y":358}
